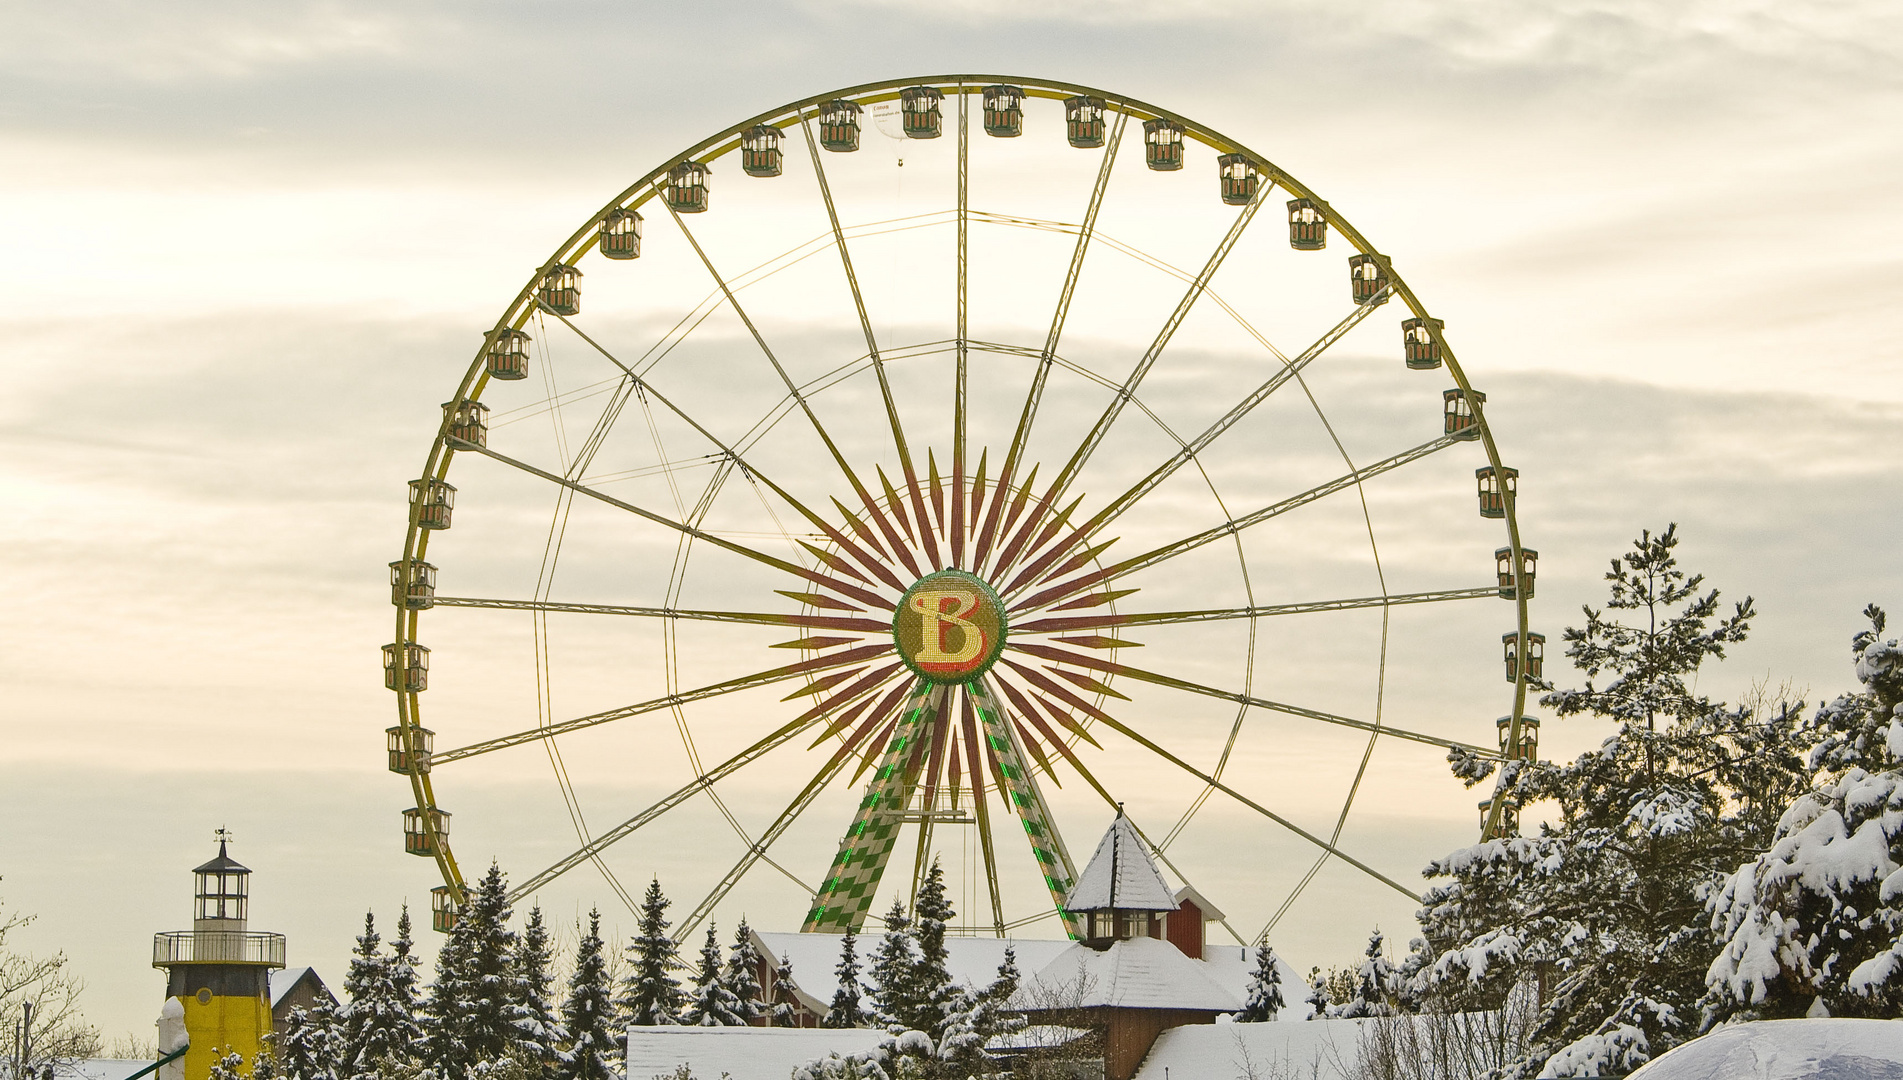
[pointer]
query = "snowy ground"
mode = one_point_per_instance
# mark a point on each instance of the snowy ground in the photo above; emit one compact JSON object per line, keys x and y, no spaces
{"x":1788,"y":1050}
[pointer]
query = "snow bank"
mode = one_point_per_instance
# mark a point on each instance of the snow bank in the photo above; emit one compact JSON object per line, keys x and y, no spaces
{"x":1787,"y":1050}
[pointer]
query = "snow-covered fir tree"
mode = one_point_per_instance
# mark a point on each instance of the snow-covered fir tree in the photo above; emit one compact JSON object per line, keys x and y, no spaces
{"x":847,"y":1010}
{"x":650,"y":995}
{"x":1317,"y":994}
{"x":588,"y":1014}
{"x":975,"y":1017}
{"x":230,"y":1067}
{"x":311,"y":1045}
{"x":785,"y":1007}
{"x":932,"y":994}
{"x":1610,"y":898}
{"x":1375,"y":983}
{"x":1265,"y":989}
{"x":541,"y":1034}
{"x":406,"y":1006}
{"x":710,"y":1003}
{"x":741,"y":976}
{"x":1814,"y":925}
{"x":474,"y":1007}
{"x":892,"y":964}
{"x":378,"y":1021}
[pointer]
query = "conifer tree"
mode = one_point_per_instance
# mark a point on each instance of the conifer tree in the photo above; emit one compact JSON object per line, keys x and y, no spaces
{"x":931,"y":993}
{"x":1813,"y":926}
{"x":1374,"y":983}
{"x":847,"y":1010}
{"x":371,"y":1028}
{"x":1317,"y":994}
{"x":405,"y":1007}
{"x":975,"y":1017}
{"x":785,"y":999}
{"x":588,"y":1013}
{"x":1265,"y":989}
{"x":741,"y":976}
{"x":540,"y":1034}
{"x":1611,"y":896}
{"x":650,"y":995}
{"x":473,"y":1006}
{"x":892,"y":970}
{"x":310,"y":1046}
{"x":711,"y":1003}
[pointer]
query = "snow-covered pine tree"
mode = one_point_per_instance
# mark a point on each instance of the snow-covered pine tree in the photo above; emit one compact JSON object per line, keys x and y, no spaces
{"x":472,"y":1012}
{"x":975,"y":1018}
{"x":1611,"y":896}
{"x":892,"y":965}
{"x":1814,"y":925}
{"x":229,"y":1067}
{"x":785,"y":999}
{"x":933,"y":994}
{"x":847,"y":1011}
{"x":540,"y":1035}
{"x":310,"y":1046}
{"x":1374,"y":983}
{"x":1317,"y":994}
{"x":711,"y":1004}
{"x":650,"y":995}
{"x":588,"y":1014}
{"x":741,"y":977}
{"x":1265,"y":989}
{"x":405,"y":1010}
{"x":377,"y":1023}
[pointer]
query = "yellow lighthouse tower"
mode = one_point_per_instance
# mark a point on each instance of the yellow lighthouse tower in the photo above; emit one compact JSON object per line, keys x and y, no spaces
{"x":219,"y":971}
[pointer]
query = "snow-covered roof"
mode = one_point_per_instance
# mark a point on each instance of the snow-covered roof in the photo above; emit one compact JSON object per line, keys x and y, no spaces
{"x":1135,"y":973}
{"x":1232,"y":966}
{"x":101,"y":1068}
{"x":745,"y":1053}
{"x":1785,"y":1050}
{"x":285,"y":980}
{"x":1314,"y":1050}
{"x":1211,"y":913}
{"x":1120,"y":875}
{"x":972,"y":961}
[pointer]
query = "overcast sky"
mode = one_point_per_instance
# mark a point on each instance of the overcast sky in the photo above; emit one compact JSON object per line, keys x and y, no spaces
{"x":247,"y":250}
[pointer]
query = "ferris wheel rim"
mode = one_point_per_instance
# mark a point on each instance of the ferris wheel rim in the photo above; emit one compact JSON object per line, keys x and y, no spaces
{"x":725,"y":142}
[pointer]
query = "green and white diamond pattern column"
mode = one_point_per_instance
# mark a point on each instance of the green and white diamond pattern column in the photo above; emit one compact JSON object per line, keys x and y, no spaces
{"x":1020,"y":787}
{"x":846,"y":896}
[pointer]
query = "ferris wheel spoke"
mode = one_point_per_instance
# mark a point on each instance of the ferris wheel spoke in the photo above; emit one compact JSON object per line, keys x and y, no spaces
{"x":872,"y":345}
{"x":1035,"y":396}
{"x":1109,"y":667}
{"x":865,"y":497}
{"x":860,"y":555}
{"x":1231,"y":527}
{"x":1064,"y":624}
{"x":759,"y":618}
{"x":961,"y":376}
{"x":1189,"y":450}
{"x":757,"y":850}
{"x":745,"y":682}
{"x":841,"y":587}
{"x":703,"y":782}
{"x":1101,"y":428}
{"x":1127,"y":732}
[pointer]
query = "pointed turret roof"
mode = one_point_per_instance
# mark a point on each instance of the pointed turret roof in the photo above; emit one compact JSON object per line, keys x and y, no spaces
{"x":1120,"y":875}
{"x":222,"y":862}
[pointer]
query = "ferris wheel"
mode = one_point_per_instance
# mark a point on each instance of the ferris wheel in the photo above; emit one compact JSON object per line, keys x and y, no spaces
{"x":967,"y":443}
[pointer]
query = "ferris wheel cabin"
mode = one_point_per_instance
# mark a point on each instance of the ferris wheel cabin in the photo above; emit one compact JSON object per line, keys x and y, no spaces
{"x":839,"y":126}
{"x":1083,"y":121}
{"x":1307,"y":227}
{"x":416,"y":751}
{"x":687,"y":185}
{"x":560,"y":291}
{"x":1004,"y":111}
{"x":1163,"y":145}
{"x":760,"y":151}
{"x":412,"y":584}
{"x":918,"y":108}
{"x":508,"y":355}
{"x":620,"y":234}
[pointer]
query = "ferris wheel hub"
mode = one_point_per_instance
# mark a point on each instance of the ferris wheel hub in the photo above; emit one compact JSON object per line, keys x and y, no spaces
{"x":950,"y":627}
